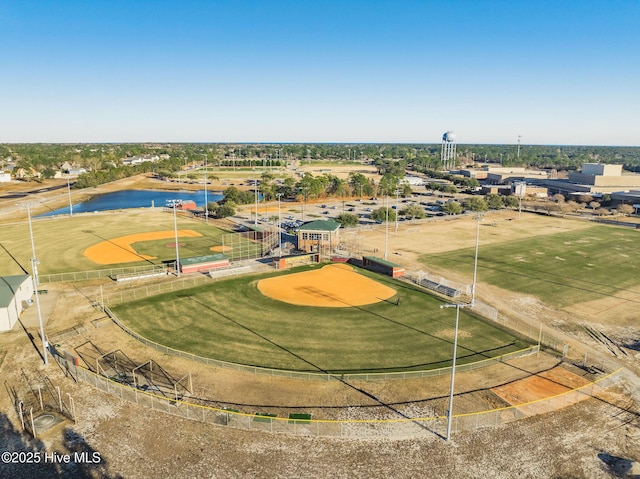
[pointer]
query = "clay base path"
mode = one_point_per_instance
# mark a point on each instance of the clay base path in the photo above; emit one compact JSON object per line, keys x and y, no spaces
{"x":333,"y":286}
{"x":119,"y":250}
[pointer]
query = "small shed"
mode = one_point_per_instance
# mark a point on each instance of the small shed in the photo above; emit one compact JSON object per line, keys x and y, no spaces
{"x":15,"y":293}
{"x":187,"y":205}
{"x":208,"y":262}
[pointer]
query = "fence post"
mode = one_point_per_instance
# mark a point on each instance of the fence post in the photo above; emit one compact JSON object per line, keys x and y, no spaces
{"x":33,"y":426}
{"x":59,"y":398}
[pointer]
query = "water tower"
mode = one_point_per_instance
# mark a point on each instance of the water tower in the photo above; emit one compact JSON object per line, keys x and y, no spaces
{"x":448,"y":152}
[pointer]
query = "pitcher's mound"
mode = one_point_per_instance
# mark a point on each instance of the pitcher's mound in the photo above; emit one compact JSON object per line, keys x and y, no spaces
{"x":221,"y":249}
{"x":333,"y":286}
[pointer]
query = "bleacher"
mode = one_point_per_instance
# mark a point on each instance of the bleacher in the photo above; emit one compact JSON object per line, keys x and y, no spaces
{"x":440,"y":288}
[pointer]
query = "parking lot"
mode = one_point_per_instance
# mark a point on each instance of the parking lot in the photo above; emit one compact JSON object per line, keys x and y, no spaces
{"x":293,"y":215}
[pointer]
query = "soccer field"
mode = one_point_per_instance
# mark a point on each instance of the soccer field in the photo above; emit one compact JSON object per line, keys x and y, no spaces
{"x":562,"y":269}
{"x":233,"y":321}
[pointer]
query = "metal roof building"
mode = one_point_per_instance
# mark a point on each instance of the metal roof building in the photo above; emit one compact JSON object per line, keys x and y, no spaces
{"x":15,"y":292}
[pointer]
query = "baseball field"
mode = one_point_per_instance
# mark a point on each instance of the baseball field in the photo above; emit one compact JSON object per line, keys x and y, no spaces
{"x":334,"y":326}
{"x":104,"y":240}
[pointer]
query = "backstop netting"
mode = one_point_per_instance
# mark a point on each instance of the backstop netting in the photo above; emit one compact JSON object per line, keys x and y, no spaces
{"x":250,"y":244}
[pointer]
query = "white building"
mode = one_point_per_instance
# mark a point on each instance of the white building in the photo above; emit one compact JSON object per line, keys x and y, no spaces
{"x":5,"y":177}
{"x":412,"y":181}
{"x":15,"y":292}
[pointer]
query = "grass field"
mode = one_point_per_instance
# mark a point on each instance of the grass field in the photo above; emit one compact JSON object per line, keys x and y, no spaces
{"x":60,"y":242}
{"x":562,"y":269}
{"x":233,"y":321}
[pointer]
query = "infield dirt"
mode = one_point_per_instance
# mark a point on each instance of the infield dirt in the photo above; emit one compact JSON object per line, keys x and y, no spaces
{"x":332,"y":286}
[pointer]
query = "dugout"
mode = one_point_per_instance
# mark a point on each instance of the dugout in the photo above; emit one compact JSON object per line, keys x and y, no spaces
{"x":297,"y":260}
{"x":208,"y":262}
{"x":382,"y":266}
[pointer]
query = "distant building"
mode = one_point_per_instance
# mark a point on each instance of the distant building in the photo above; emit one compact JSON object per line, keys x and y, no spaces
{"x":412,"y":181}
{"x":499,"y":175}
{"x":595,"y":178}
{"x":5,"y":177}
{"x":138,"y":160}
{"x":186,"y":205}
{"x":629,"y":197}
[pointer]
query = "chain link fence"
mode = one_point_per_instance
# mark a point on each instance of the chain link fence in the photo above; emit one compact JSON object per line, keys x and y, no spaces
{"x":184,"y":282}
{"x":111,"y":273}
{"x":392,"y":427}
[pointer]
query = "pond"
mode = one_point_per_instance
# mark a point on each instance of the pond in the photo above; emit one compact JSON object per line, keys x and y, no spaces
{"x":135,"y":199}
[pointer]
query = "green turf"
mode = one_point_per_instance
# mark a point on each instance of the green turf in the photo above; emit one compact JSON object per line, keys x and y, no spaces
{"x":60,"y":242}
{"x":233,"y":321}
{"x":562,"y":269}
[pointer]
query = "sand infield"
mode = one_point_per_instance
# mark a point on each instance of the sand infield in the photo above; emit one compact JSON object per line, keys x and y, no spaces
{"x":333,"y":286}
{"x":120,"y":250}
{"x":540,"y":386}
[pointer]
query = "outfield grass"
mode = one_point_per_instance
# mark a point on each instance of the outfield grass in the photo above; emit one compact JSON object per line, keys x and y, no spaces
{"x":60,"y":241}
{"x":233,"y":321}
{"x":562,"y":269}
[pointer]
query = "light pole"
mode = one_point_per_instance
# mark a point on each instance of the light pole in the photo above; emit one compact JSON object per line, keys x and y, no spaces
{"x":36,"y":282}
{"x":255,"y":187}
{"x":475,"y":262}
{"x":206,"y":200}
{"x":279,"y":227}
{"x":175,"y":229}
{"x":69,"y":190}
{"x":386,"y":226}
{"x":453,"y":364}
{"x":397,"y":193}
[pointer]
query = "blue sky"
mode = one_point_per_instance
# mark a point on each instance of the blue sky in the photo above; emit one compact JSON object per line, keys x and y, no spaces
{"x":555,"y":72}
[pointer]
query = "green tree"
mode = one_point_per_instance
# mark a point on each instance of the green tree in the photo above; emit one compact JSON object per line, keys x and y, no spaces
{"x":475,"y":203}
{"x":494,"y":202}
{"x":511,"y":201}
{"x":388,"y":184}
{"x":452,"y":208}
{"x":360,"y":184}
{"x":380,"y":214}
{"x":224,"y":210}
{"x":48,"y":173}
{"x":347,"y":219}
{"x":413,"y":211}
